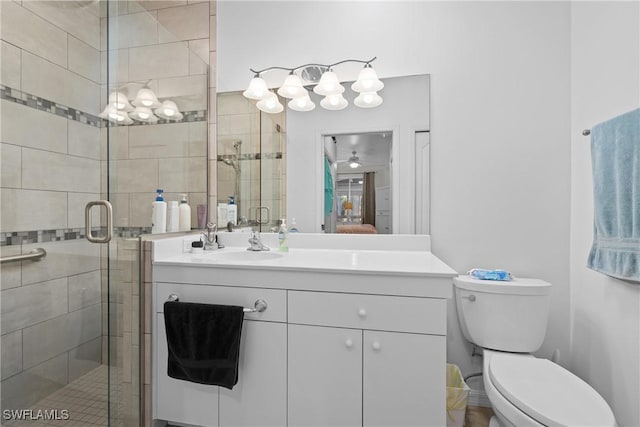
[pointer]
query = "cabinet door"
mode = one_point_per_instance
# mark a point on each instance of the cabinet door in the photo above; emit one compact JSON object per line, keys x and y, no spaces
{"x":325,"y":376}
{"x":260,"y":397}
{"x":404,"y":379}
{"x":177,"y":400}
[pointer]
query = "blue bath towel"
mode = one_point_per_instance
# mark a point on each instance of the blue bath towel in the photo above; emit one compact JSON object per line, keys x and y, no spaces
{"x":615,"y":153}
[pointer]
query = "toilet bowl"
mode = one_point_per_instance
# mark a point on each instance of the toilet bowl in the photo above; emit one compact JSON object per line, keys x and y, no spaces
{"x":508,"y":320}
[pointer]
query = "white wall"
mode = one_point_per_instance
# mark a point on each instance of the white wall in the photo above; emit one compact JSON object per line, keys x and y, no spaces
{"x":500,"y":118}
{"x":605,"y":312}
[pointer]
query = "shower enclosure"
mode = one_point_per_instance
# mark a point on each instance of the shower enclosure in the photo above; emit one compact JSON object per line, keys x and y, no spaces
{"x":72,"y":329}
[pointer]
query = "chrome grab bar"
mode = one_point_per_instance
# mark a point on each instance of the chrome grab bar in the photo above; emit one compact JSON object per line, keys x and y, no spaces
{"x":35,"y":255}
{"x":258,"y":307}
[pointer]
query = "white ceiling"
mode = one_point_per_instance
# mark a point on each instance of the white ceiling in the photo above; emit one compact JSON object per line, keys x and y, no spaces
{"x":373,"y":149}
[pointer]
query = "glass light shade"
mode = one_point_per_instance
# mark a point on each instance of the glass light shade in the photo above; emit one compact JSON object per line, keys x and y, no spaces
{"x":143,"y":114}
{"x":169,"y":111}
{"x":354,"y":164}
{"x":354,"y":161}
{"x":270,"y":104}
{"x":368,"y":100}
{"x":328,"y":84}
{"x":292,"y":87}
{"x":334,"y":102}
{"x":114,"y":115}
{"x":257,"y":89}
{"x":303,"y":103}
{"x":367,"y":81}
{"x":146,"y":98}
{"x":120,"y":101}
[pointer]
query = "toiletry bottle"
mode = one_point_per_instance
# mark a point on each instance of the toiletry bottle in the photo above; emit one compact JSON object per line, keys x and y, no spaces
{"x":222,"y":213}
{"x":173,"y":216}
{"x":159,"y":214}
{"x":185,"y":214}
{"x":293,"y":228}
{"x":232,"y":211}
{"x":282,"y":237}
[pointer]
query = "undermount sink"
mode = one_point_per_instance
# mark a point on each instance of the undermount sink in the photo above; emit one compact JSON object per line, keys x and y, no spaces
{"x":249,"y":256}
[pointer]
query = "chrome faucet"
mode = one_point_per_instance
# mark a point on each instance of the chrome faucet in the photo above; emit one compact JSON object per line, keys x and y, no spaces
{"x":211,"y":238}
{"x":255,"y":243}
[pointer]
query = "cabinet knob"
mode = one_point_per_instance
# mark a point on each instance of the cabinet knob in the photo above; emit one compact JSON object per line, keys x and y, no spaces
{"x":348,"y":343}
{"x":362,"y":313}
{"x":376,"y":345}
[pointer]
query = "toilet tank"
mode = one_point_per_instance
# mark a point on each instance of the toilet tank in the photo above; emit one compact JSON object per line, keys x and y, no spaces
{"x":507,"y":316}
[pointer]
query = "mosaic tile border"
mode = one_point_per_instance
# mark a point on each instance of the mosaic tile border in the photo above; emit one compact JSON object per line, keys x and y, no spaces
{"x":250,"y":156}
{"x":23,"y":98}
{"x":16,"y":238}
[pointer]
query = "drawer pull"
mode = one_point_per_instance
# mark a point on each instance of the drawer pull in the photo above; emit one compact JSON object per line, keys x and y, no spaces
{"x":362,"y":313}
{"x":471,"y":297}
{"x":258,"y":307}
{"x":348,"y":343}
{"x":376,"y":346}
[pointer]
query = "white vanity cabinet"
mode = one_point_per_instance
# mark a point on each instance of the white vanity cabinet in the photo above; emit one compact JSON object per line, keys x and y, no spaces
{"x":365,"y":360}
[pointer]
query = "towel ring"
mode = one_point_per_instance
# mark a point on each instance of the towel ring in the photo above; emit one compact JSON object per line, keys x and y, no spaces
{"x":258,"y":307}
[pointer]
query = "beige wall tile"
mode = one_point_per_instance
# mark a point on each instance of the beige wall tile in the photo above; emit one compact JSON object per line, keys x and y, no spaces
{"x":118,"y":61}
{"x":198,"y":139}
{"x":84,"y":140}
{"x":118,"y":142}
{"x":189,"y":92}
{"x":160,"y":4}
{"x":140,"y":209}
{"x":213,"y":26}
{"x":134,"y":176}
{"x":136,"y":29}
{"x":28,"y":387}
{"x":186,"y":22}
{"x":168,"y":140}
{"x":11,"y":64}
{"x":84,"y":290}
{"x":48,"y":339}
{"x":213,"y":65}
{"x":120,"y":203}
{"x":43,"y":170}
{"x":22,"y":210}
{"x":28,"y":305}
{"x":78,"y":21}
{"x":28,"y":31}
{"x":85,"y":358}
{"x":212,"y":150}
{"x":70,"y":89}
{"x":166,"y":60}
{"x":213,"y":7}
{"x":76,"y":203}
{"x":11,"y":345}
{"x":183,"y":175}
{"x":198,"y":56}
{"x":84,"y":59}
{"x":29,"y":127}
{"x":63,"y":259}
{"x":11,"y":273}
{"x":10,"y":166}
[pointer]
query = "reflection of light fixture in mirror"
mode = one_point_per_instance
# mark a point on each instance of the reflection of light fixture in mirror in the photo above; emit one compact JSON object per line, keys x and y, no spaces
{"x":326,"y":84}
{"x":354,"y":161}
{"x":257,"y":88}
{"x":270,"y":103}
{"x":120,"y":101}
{"x":146,"y":98}
{"x":303,"y":103}
{"x":169,"y":111}
{"x":368,"y":100}
{"x":334,"y":102}
{"x":114,"y":115}
{"x":143,"y":114}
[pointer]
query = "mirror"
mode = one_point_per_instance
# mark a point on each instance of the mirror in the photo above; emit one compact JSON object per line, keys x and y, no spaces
{"x":300,"y":149}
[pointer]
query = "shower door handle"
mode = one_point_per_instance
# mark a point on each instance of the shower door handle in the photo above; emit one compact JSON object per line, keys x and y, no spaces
{"x":88,"y":225}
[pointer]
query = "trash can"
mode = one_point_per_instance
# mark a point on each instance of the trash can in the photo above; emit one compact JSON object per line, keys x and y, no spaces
{"x":457,"y":396}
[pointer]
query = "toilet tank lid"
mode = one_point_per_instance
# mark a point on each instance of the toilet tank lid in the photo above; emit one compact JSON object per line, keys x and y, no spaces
{"x":548,"y":393}
{"x":517,"y":286}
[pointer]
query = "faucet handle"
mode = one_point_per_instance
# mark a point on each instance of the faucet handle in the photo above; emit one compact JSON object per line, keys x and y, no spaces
{"x":212,"y":227}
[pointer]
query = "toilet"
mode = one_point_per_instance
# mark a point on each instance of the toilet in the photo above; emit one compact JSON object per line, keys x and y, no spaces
{"x":508,"y":320}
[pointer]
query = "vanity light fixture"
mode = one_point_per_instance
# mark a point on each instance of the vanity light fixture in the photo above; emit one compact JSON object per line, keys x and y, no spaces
{"x":354,"y":161}
{"x":146,"y":108}
{"x":328,"y":86}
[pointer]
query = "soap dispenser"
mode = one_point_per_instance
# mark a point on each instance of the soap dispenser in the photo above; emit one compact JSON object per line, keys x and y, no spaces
{"x":159,"y":214}
{"x":232,"y":211}
{"x":185,"y":214}
{"x":293,"y":228}
{"x":282,"y":237}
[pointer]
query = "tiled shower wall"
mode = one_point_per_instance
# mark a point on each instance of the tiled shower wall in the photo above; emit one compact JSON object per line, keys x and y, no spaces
{"x":49,"y":142}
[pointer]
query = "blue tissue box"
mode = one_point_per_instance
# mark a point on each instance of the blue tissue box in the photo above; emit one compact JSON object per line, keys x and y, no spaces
{"x":481,"y":274}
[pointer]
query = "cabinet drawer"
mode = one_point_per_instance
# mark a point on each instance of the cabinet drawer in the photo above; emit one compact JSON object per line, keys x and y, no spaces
{"x":376,"y":312}
{"x":276,"y":299}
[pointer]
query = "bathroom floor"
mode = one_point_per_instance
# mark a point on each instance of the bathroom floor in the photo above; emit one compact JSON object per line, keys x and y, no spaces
{"x":85,"y":399}
{"x":477,"y":416}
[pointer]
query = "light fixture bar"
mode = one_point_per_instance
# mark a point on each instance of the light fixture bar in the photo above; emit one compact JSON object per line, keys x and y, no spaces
{"x":313,"y":64}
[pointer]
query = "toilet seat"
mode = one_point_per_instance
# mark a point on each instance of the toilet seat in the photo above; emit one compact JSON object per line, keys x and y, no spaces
{"x":547,"y":392}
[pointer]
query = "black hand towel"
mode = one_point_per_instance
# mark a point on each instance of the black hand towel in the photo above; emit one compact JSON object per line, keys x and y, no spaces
{"x":203,"y":342}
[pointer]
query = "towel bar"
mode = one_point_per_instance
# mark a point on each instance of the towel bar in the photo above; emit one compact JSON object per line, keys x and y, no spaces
{"x":258,"y":307}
